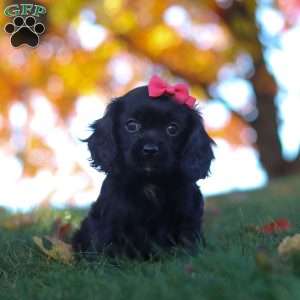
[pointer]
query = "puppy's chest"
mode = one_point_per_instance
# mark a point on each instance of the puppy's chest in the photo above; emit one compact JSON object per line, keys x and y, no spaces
{"x":153,"y":195}
{"x":156,"y":204}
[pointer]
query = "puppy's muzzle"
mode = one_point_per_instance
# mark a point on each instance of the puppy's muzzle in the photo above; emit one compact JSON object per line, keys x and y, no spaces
{"x":150,"y":150}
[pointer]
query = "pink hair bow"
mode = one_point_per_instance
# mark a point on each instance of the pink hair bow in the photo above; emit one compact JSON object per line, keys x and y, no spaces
{"x":179,"y":91}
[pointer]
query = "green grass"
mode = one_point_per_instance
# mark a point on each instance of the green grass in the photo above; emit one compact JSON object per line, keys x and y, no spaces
{"x":225,"y":269}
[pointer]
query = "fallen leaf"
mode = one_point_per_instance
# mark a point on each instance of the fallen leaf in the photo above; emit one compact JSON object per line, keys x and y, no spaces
{"x":289,"y":244}
{"x":55,"y":249}
{"x":277,"y":225}
{"x":18,"y":220}
{"x":60,"y":230}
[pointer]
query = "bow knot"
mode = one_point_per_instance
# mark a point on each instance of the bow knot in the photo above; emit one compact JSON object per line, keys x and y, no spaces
{"x":179,"y":92}
{"x":170,"y":89}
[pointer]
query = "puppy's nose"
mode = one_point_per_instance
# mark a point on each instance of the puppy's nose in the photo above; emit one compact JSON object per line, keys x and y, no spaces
{"x":150,"y":149}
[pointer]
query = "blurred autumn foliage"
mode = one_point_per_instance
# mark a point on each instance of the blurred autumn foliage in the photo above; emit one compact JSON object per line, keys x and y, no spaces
{"x":63,"y":68}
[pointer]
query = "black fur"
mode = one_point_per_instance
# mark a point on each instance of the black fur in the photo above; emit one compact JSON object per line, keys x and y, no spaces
{"x":148,"y":202}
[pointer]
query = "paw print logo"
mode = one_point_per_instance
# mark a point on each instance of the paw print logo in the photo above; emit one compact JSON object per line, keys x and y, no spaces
{"x":24,"y":31}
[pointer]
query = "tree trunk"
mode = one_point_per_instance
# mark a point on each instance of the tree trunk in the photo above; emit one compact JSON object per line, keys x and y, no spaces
{"x":266,"y":123}
{"x":265,"y":88}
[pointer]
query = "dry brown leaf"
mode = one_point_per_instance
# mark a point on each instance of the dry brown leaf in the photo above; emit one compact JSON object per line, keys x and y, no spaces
{"x":55,"y":249}
{"x":289,"y":245}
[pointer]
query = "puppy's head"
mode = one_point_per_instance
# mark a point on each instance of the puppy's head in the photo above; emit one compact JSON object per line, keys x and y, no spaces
{"x":150,"y":137}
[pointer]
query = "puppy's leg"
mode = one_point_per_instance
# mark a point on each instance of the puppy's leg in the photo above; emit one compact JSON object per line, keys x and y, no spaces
{"x":190,"y":234}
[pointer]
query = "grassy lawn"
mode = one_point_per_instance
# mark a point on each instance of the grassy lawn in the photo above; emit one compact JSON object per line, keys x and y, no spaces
{"x":226,"y":269}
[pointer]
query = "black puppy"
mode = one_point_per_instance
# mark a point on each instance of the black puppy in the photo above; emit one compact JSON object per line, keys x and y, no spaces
{"x":153,"y":151}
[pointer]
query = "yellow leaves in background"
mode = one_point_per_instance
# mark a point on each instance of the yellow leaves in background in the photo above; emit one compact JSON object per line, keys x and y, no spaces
{"x":62,"y":69}
{"x":84,"y":72}
{"x":6,"y":93}
{"x":55,"y":249}
{"x":120,"y":18}
{"x":289,"y":245}
{"x":198,"y":92}
{"x":61,"y":13}
{"x":160,"y":38}
{"x":141,"y":25}
{"x":112,"y":7}
{"x":108,"y":49}
{"x":165,"y":46}
{"x":17,"y":221}
{"x":3,"y":18}
{"x":125,"y":22}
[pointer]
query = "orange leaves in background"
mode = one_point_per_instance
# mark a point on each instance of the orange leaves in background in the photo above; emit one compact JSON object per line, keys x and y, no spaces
{"x":137,"y":38}
{"x":158,"y":39}
{"x":63,"y":70}
{"x":37,"y":154}
{"x":146,"y":32}
{"x":235,"y":131}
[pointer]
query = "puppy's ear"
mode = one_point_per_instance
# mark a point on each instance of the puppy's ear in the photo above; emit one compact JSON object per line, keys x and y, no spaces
{"x":197,"y":154}
{"x":102,"y":143}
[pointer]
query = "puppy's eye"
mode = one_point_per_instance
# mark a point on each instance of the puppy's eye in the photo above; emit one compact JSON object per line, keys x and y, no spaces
{"x":172,"y":129}
{"x":132,"y":126}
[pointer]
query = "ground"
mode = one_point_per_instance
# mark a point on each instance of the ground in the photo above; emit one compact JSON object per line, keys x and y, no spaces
{"x":238,"y":262}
